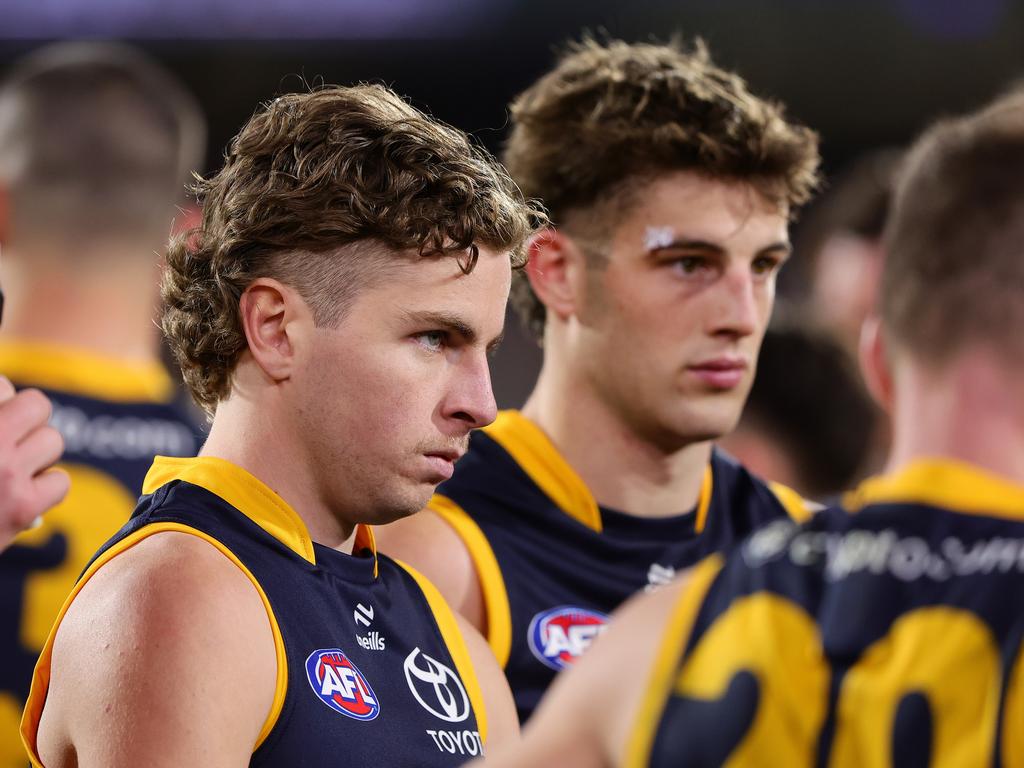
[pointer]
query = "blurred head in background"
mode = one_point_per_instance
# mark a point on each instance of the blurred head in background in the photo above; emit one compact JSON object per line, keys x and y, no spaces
{"x":839,"y":246}
{"x":946,"y":355}
{"x":670,"y":186}
{"x":96,"y":144}
{"x":806,"y":421}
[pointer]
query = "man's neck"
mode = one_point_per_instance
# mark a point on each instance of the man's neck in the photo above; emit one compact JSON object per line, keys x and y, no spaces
{"x":623,"y":470}
{"x":249,"y":436}
{"x":107,"y":311}
{"x":972,"y":412}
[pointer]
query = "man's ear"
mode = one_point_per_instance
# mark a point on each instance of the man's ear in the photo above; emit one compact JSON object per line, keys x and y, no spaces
{"x":270,"y":311}
{"x":555,"y":272}
{"x":874,"y":362}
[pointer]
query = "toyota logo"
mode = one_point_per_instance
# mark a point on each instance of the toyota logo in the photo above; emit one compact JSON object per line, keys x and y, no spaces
{"x":436,"y":687}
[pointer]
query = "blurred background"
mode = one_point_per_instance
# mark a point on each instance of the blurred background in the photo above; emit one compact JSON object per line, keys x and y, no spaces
{"x":866,"y":74}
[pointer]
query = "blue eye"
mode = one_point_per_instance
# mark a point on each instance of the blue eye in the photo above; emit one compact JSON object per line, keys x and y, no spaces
{"x":432,"y":340}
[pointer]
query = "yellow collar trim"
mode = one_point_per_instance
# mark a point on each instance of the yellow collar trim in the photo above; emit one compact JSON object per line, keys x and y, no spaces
{"x":79,"y":372}
{"x":947,"y":483}
{"x":537,"y":455}
{"x":251,"y":497}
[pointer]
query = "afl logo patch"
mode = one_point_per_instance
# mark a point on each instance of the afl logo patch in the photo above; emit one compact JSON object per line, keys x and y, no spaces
{"x":340,"y":685}
{"x":559,"y":636}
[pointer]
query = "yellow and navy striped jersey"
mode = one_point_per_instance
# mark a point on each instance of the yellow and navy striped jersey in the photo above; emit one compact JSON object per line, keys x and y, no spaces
{"x":887,"y":631}
{"x":114,"y":417}
{"x":371,"y":665}
{"x":553,"y":563}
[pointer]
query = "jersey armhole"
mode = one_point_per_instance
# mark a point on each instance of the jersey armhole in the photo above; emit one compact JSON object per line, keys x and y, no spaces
{"x":666,"y":663}
{"x":492,"y":583}
{"x":453,"y":639}
{"x":41,"y":675}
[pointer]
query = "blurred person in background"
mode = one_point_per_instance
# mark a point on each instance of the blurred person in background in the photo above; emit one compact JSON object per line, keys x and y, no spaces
{"x":96,"y":143}
{"x":807,"y":421}
{"x":839,"y":245}
{"x":888,"y":630}
{"x":671,"y":187}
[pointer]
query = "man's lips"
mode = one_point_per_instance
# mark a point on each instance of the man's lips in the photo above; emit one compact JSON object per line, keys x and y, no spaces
{"x":720,"y":372}
{"x":442,"y":462}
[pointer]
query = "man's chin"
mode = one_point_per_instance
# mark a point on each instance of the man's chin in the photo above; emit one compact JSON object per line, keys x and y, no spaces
{"x":410,"y":503}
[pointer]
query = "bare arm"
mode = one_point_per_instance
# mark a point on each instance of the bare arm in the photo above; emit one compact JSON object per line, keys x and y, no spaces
{"x":165,"y":658}
{"x":502,"y":718}
{"x":586,"y":718}
{"x":432,"y":547}
{"x":28,"y":447}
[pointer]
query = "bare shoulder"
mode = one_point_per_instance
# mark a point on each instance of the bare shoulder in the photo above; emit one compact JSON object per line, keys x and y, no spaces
{"x":432,"y":546}
{"x":168,"y":627}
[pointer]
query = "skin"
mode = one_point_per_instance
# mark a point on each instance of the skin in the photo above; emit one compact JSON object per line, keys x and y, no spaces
{"x":621,"y":392}
{"x":28,"y":448}
{"x":403,"y":374}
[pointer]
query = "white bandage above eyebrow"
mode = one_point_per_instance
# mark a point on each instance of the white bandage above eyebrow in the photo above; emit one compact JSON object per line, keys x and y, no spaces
{"x":658,"y":237}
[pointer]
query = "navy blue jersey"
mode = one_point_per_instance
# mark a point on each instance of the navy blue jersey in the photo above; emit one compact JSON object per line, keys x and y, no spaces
{"x":114,"y":417}
{"x":553,"y":564}
{"x":372,"y":669}
{"x":884,"y":632}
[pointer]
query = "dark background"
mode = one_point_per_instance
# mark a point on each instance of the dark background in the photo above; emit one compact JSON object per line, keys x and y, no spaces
{"x":864,"y":73}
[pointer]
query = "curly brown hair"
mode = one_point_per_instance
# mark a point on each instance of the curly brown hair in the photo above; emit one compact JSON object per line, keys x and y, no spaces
{"x":310,"y":181}
{"x":611,"y":114}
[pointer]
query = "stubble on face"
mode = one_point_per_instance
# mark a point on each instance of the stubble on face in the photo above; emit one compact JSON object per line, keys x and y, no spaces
{"x":374,"y":395}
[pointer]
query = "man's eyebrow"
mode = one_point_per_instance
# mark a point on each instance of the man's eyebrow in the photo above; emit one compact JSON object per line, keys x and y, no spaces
{"x":785,"y":247}
{"x":445,"y":321}
{"x":704,"y":245}
{"x":496,"y":342}
{"x":688,"y":245}
{"x":453,"y":324}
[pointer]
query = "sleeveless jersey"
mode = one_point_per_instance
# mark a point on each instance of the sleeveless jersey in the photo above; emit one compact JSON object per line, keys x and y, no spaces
{"x":115,"y":417}
{"x":884,"y":632}
{"x":553,"y":564}
{"x":372,"y":669}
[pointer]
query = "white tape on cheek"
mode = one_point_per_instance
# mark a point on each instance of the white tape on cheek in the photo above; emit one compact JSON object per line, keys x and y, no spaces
{"x":658,"y":237}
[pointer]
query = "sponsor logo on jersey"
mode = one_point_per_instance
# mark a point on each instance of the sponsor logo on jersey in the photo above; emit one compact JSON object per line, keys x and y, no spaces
{"x":559,"y":636}
{"x":372,"y":640}
{"x":458,"y":742}
{"x":340,"y":685}
{"x":436,"y":687}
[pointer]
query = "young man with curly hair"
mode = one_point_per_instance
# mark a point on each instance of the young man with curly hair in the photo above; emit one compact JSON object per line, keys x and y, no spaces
{"x":888,"y":630}
{"x":333,"y":315}
{"x":670,"y":188}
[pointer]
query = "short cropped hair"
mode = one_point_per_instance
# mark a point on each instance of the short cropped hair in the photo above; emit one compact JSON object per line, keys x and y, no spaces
{"x":954,"y":268}
{"x":96,"y":139}
{"x":312,"y":188}
{"x":609,"y":115}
